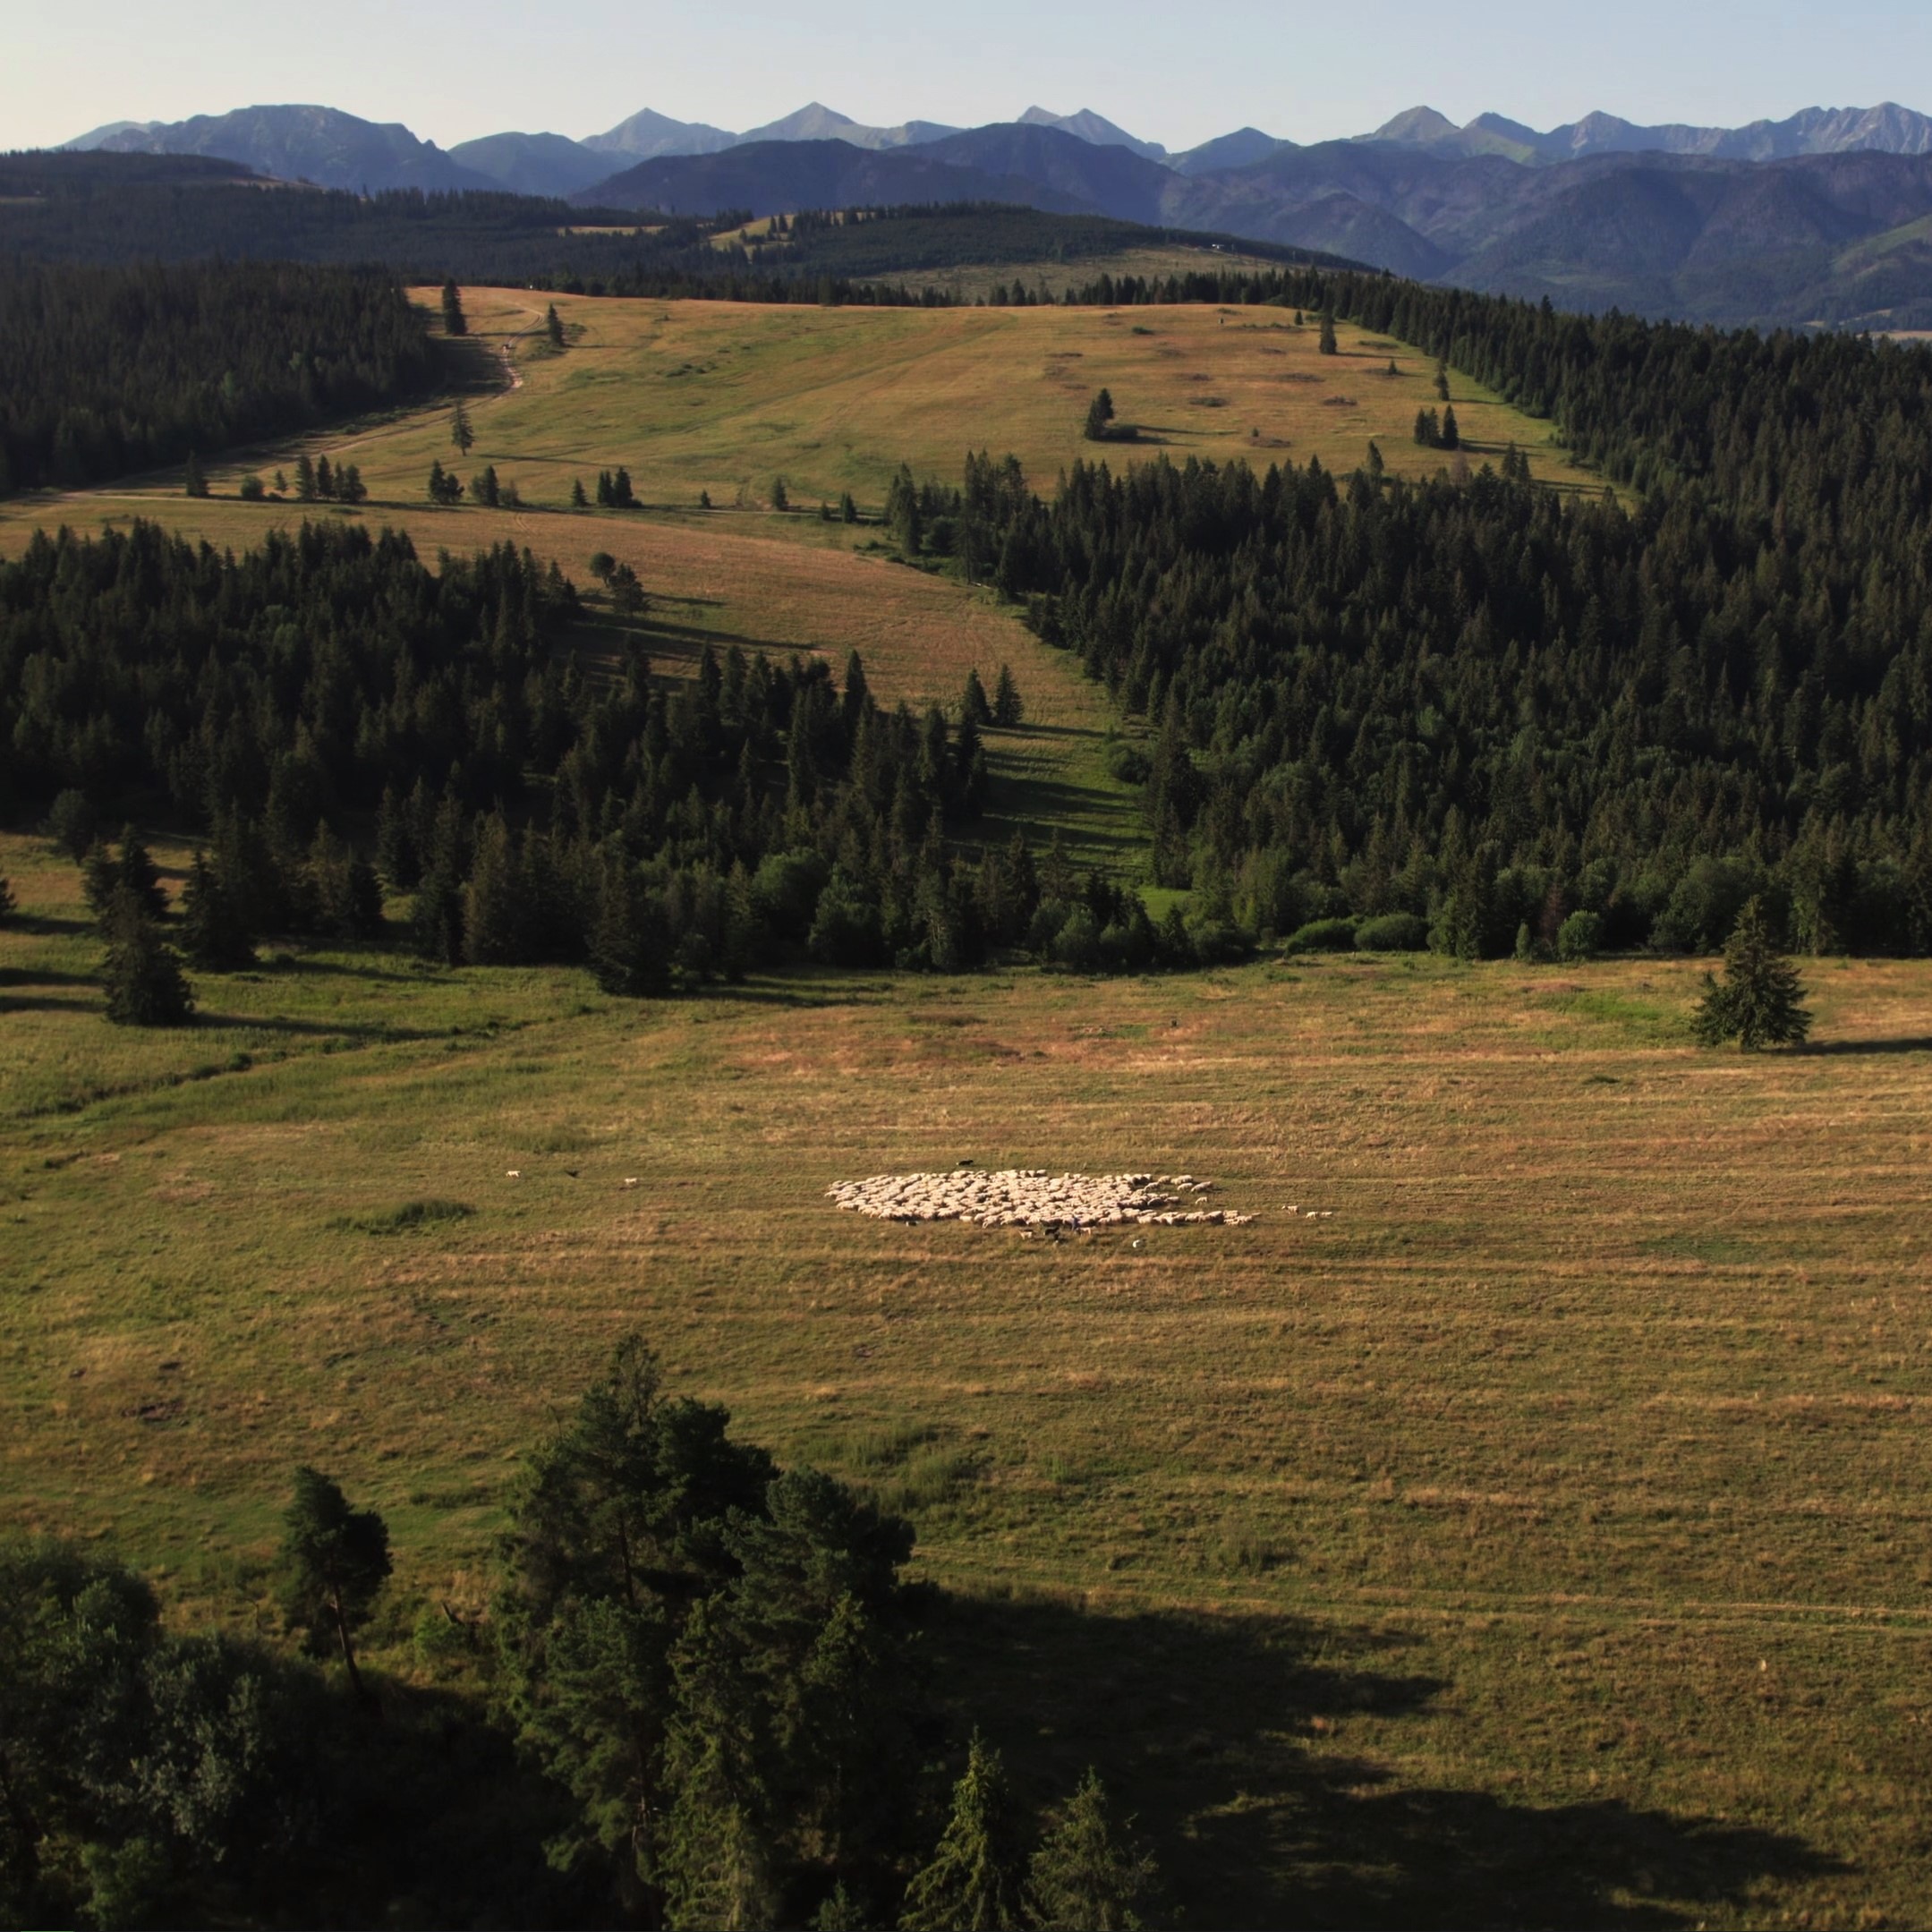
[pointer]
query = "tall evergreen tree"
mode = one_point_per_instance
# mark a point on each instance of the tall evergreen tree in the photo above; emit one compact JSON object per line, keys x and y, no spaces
{"x":1088,"y":1874}
{"x":973,"y":702}
{"x":553,"y":327}
{"x":334,"y":1561}
{"x":1760,"y":1001}
{"x":972,"y":1882}
{"x":194,"y":483}
{"x":1008,"y":707}
{"x":1100,"y":417}
{"x":461,"y":433}
{"x":454,"y":320}
{"x":215,"y":934}
{"x":1327,"y":344}
{"x":142,"y":975}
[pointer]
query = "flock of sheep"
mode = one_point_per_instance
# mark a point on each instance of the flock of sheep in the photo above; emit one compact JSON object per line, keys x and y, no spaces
{"x":1031,"y":1197}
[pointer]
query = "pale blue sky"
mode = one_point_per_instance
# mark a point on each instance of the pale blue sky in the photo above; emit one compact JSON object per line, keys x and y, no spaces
{"x":1173,"y":72}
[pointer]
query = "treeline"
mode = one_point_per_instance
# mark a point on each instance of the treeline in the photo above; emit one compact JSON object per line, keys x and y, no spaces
{"x":327,"y":684}
{"x":1486,"y":708}
{"x":112,"y":370}
{"x":693,"y":1699}
{"x":112,"y":209}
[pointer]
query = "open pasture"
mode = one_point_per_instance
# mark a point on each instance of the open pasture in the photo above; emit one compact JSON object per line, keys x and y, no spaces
{"x":1559,"y":1500}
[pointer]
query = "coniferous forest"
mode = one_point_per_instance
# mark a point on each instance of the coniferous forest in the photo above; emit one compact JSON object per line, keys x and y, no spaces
{"x":109,"y":370}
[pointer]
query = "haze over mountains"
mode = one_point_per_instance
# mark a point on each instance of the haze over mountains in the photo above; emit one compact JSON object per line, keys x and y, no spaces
{"x":1817,"y":217}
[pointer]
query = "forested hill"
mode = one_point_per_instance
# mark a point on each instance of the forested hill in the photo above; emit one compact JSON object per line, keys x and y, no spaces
{"x":1471,"y":703}
{"x":112,"y":370}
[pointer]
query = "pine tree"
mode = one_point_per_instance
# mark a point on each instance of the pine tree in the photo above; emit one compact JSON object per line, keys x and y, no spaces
{"x":1328,"y":345}
{"x":349,"y":485}
{"x":848,"y":510}
{"x":304,"y":479}
{"x":1760,"y":1001}
{"x":395,"y":843}
{"x":553,"y":327}
{"x":972,"y":1884}
{"x":492,"y":912}
{"x":136,"y":870}
{"x":578,"y":500}
{"x":1451,"y":435}
{"x":460,"y":432}
{"x":629,"y":949}
{"x":454,"y":322}
{"x":1428,"y":430}
{"x":973,"y":702}
{"x":1098,"y":416}
{"x":1007,"y":709}
{"x":325,"y":480}
{"x":335,"y":1560}
{"x":145,"y":987}
{"x":214,"y":934}
{"x":622,"y":495}
{"x":193,"y":483}
{"x":1089,"y":1875}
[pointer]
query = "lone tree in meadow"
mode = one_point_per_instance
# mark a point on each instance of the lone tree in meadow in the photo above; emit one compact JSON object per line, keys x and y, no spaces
{"x":454,"y":323}
{"x":335,"y":1559}
{"x":460,"y":432}
{"x":1008,"y":706}
{"x":1098,"y":416}
{"x":553,"y":327}
{"x":194,"y":483}
{"x":1760,"y":1000}
{"x":1328,"y":345}
{"x":145,"y":987}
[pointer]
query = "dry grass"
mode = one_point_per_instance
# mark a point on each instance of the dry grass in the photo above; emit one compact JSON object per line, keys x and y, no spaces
{"x":1574,"y":1469}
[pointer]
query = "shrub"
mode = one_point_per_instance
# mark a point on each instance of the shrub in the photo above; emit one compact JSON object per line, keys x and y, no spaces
{"x":1129,"y":764}
{"x":1322,"y":936}
{"x":1579,"y":937}
{"x":1391,"y":933}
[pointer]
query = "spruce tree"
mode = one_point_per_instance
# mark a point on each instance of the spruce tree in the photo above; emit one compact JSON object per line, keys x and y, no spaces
{"x":972,"y":1882}
{"x":136,"y":870}
{"x":578,"y":500}
{"x":334,"y":1560}
{"x":492,"y":915}
{"x":1760,"y":1001}
{"x":460,"y":432}
{"x":143,"y":977}
{"x":214,"y":934}
{"x":1088,"y":1874}
{"x":1007,"y":709}
{"x":553,"y":327}
{"x":973,"y":702}
{"x":304,"y":479}
{"x":454,"y":323}
{"x":1451,"y":435}
{"x":1328,"y":345}
{"x":325,"y":481}
{"x":1098,"y":416}
{"x":193,"y":483}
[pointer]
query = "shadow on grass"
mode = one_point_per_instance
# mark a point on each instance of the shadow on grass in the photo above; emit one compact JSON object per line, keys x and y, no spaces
{"x":1202,"y":1725}
{"x":48,"y":925}
{"x":1839,"y":1048}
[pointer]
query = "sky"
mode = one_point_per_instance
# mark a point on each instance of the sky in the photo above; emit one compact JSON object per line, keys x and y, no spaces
{"x":1178,"y":73}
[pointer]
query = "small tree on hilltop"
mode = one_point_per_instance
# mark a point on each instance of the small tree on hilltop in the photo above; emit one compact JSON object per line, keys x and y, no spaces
{"x":335,"y":1559}
{"x":145,"y":987}
{"x":1089,"y":1875}
{"x":1098,"y":416}
{"x":1760,"y":1001}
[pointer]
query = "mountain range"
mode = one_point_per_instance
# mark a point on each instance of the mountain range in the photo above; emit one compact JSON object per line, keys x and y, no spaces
{"x":1826,"y":217}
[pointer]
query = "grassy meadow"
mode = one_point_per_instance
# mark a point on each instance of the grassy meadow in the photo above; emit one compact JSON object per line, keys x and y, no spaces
{"x":1538,"y":1536}
{"x":1523,"y":1520}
